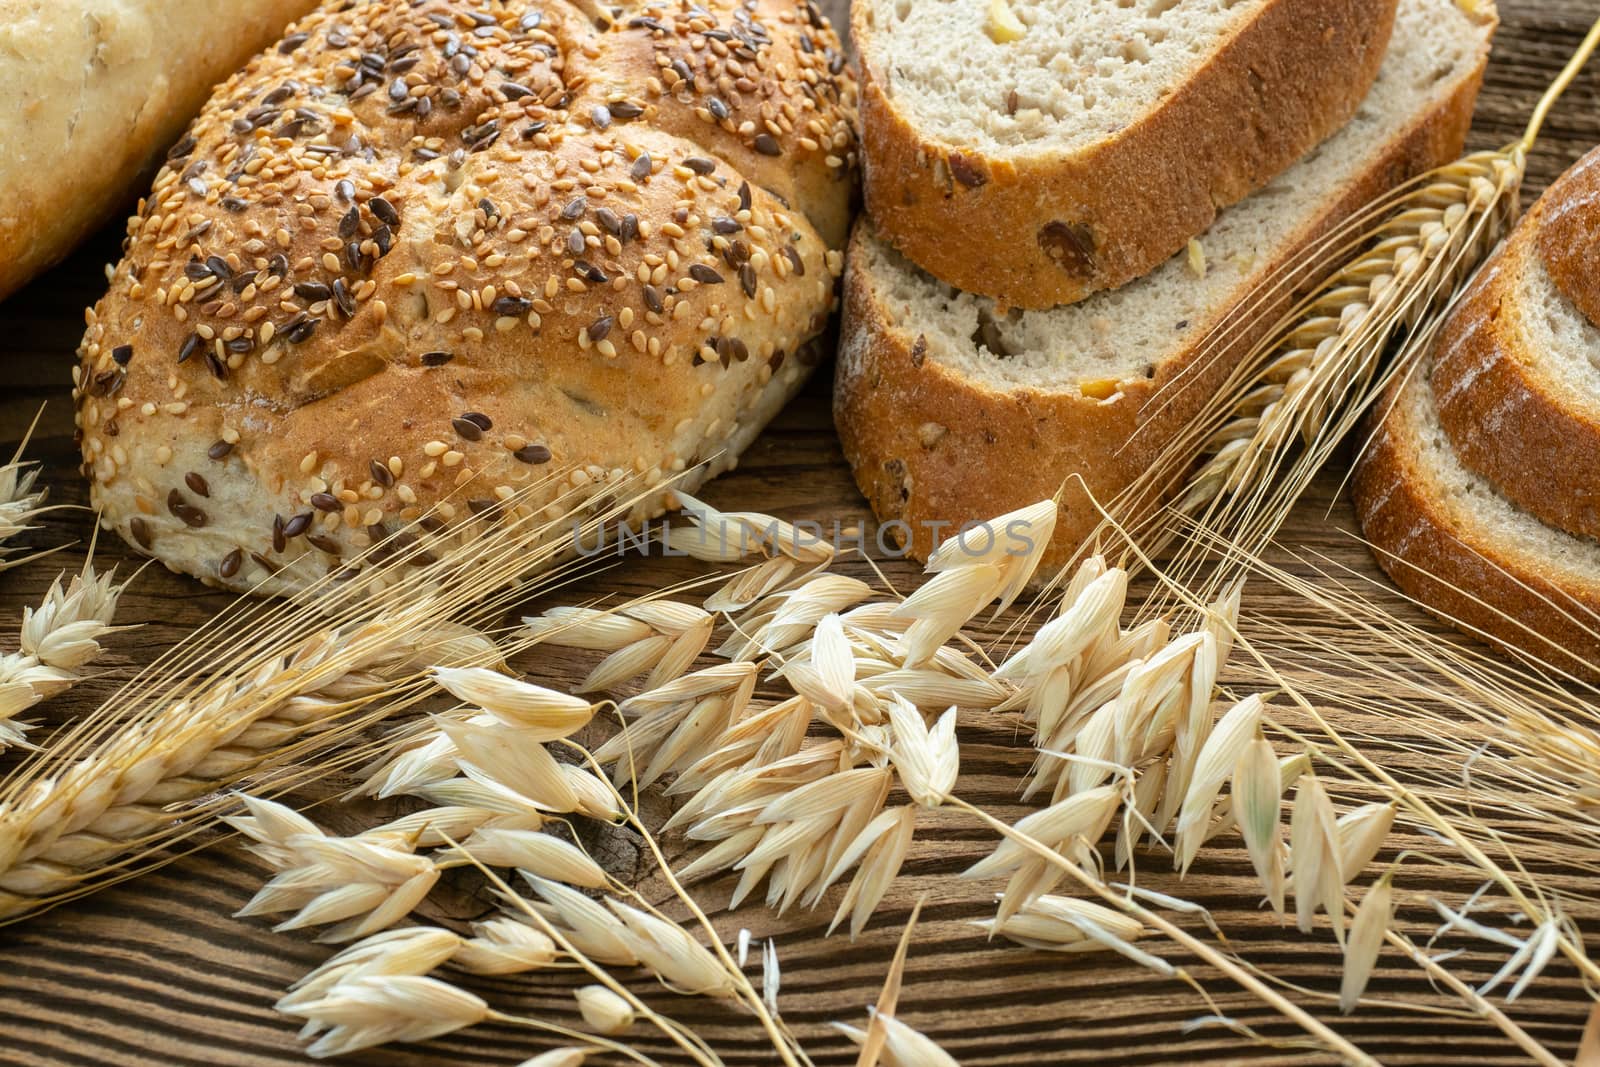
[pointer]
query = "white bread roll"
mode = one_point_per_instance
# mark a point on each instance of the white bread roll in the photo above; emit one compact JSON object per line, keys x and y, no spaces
{"x":95,"y":92}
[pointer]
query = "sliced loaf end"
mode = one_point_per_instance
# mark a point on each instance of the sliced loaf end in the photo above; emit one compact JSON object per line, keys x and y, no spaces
{"x":1517,"y":382}
{"x":951,"y":410}
{"x":1463,"y":551}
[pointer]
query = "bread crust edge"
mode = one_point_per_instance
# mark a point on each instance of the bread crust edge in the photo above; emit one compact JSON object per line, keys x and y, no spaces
{"x":1038,"y":232}
{"x":1000,"y":450}
{"x":1502,"y":414}
{"x":1459,"y":578}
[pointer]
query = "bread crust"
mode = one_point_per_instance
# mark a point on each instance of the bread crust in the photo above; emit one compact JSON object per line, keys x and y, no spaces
{"x":96,"y":92}
{"x":1040,"y":231}
{"x":341,"y":313}
{"x":1567,"y":234}
{"x":1498,"y":590}
{"x":1505,"y":416}
{"x":991,"y":450}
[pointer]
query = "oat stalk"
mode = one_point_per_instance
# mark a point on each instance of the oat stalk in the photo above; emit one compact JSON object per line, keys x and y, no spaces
{"x":20,"y":501}
{"x":1202,"y":949}
{"x":271,"y":690}
{"x":59,"y":640}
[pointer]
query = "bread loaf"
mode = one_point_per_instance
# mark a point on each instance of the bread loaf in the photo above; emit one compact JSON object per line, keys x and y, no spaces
{"x":952,"y":409}
{"x":423,"y":256}
{"x":1037,"y":152}
{"x":1517,"y":380}
{"x":95,"y":92}
{"x":1450,"y":540}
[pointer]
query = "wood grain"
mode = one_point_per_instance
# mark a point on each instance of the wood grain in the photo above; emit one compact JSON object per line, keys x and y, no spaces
{"x":157,"y":971}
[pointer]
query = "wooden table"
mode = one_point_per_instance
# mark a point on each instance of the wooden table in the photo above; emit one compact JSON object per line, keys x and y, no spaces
{"x":158,"y":972}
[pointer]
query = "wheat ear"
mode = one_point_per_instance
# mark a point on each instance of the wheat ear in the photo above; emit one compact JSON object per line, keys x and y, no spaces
{"x":59,"y":639}
{"x":1319,"y":369}
{"x":290,"y":682}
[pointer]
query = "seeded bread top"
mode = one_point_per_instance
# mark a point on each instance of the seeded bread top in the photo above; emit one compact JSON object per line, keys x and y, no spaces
{"x":1569,"y":234}
{"x":1034,"y":76}
{"x":421,"y":244}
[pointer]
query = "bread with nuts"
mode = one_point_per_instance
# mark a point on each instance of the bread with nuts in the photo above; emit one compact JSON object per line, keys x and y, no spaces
{"x":1037,"y":151}
{"x":952,"y":408}
{"x":95,"y":92}
{"x":443,"y":253}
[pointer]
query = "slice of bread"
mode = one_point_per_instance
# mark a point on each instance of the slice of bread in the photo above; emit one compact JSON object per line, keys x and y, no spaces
{"x":952,"y":410}
{"x":1517,"y":372}
{"x":1037,"y":151}
{"x":1465,"y":552}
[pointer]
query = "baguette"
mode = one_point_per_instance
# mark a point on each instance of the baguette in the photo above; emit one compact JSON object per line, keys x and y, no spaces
{"x":97,"y":91}
{"x":437,"y":254}
{"x":1517,"y":374}
{"x":951,"y":410}
{"x":1073,"y":146}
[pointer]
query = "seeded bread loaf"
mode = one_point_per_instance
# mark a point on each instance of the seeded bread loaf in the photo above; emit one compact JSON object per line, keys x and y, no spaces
{"x":95,"y":92}
{"x":1517,"y":375}
{"x":951,"y":409}
{"x":1450,"y":540}
{"x":438,"y":252}
{"x":1037,"y":151}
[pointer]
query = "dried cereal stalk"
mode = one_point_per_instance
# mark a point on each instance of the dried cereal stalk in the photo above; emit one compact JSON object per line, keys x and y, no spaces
{"x":506,"y":789}
{"x":1319,"y":369}
{"x":62,"y":835}
{"x":286,"y":683}
{"x":20,"y":501}
{"x":59,"y":639}
{"x":1311,"y":381}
